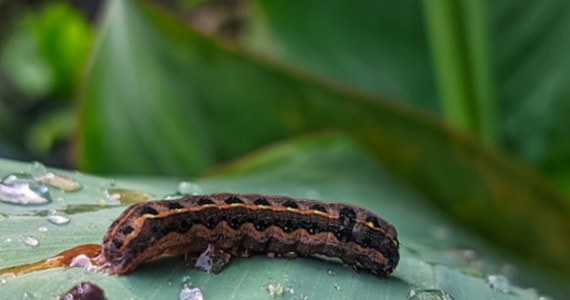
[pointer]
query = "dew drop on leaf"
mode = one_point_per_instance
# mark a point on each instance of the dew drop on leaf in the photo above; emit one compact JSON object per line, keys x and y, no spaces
{"x":429,"y":294}
{"x":31,"y":241}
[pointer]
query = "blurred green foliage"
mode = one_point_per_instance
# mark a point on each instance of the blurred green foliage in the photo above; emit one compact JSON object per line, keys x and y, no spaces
{"x":527,"y":44}
{"x":381,"y":47}
{"x":41,"y":61}
{"x":46,"y":52}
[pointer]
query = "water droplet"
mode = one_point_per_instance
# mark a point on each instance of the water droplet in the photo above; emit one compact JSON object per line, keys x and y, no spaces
{"x":58,"y":219}
{"x":126,"y":197}
{"x":336,"y":286}
{"x":187,"y":280}
{"x":83,"y":261}
{"x":313,"y":194}
{"x":22,"y":189}
{"x":110,"y":198}
{"x":290,"y":290}
{"x":190,"y":293}
{"x":4,"y":277}
{"x":204,"y":261}
{"x":330,"y":272}
{"x":544,"y":298}
{"x":113,"y":182}
{"x":429,"y":294}
{"x":37,"y":169}
{"x":8,"y":240}
{"x":172,"y":196}
{"x":59,"y":182}
{"x":498,"y":283}
{"x":274,"y":290}
{"x":303,"y":297}
{"x":28,"y":296}
{"x":31,"y":241}
{"x":42,"y":229}
{"x":189,"y":188}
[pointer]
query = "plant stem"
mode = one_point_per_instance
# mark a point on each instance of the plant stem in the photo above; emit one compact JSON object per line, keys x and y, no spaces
{"x":459,"y":39}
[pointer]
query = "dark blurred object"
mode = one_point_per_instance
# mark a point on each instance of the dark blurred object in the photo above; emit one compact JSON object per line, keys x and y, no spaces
{"x":84,"y":291}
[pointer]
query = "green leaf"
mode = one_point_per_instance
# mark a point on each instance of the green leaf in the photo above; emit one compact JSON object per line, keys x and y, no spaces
{"x":532,"y":43}
{"x":375,"y":46}
{"x":437,"y":256}
{"x":460,"y":47}
{"x":381,"y":46}
{"x":502,"y":68}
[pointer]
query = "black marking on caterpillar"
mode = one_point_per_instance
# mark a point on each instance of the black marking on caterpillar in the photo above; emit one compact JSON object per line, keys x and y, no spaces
{"x":242,"y":225}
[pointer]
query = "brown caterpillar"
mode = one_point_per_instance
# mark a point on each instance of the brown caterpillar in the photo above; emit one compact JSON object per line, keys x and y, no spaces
{"x":245,"y":224}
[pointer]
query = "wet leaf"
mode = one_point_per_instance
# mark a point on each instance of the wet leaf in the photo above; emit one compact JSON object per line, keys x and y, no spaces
{"x":438,"y":256}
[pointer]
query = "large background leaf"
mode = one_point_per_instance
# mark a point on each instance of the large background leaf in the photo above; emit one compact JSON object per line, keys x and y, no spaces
{"x":436,"y":254}
{"x":377,"y":46}
{"x":41,"y":56}
{"x":532,"y":46}
{"x":528,"y":42}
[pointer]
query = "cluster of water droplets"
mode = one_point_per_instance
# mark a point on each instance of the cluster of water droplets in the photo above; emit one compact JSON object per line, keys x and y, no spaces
{"x":336,"y":286}
{"x":113,"y":195}
{"x":274,"y":289}
{"x":496,"y":277}
{"x":32,"y":187}
{"x":32,"y":240}
{"x":498,"y":283}
{"x":23,"y":189}
{"x":278,"y":289}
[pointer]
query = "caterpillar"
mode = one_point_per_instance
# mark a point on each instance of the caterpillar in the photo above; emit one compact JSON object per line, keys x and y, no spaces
{"x":241,"y":225}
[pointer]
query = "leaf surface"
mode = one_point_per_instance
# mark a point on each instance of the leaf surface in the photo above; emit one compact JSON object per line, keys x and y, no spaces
{"x":437,"y":256}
